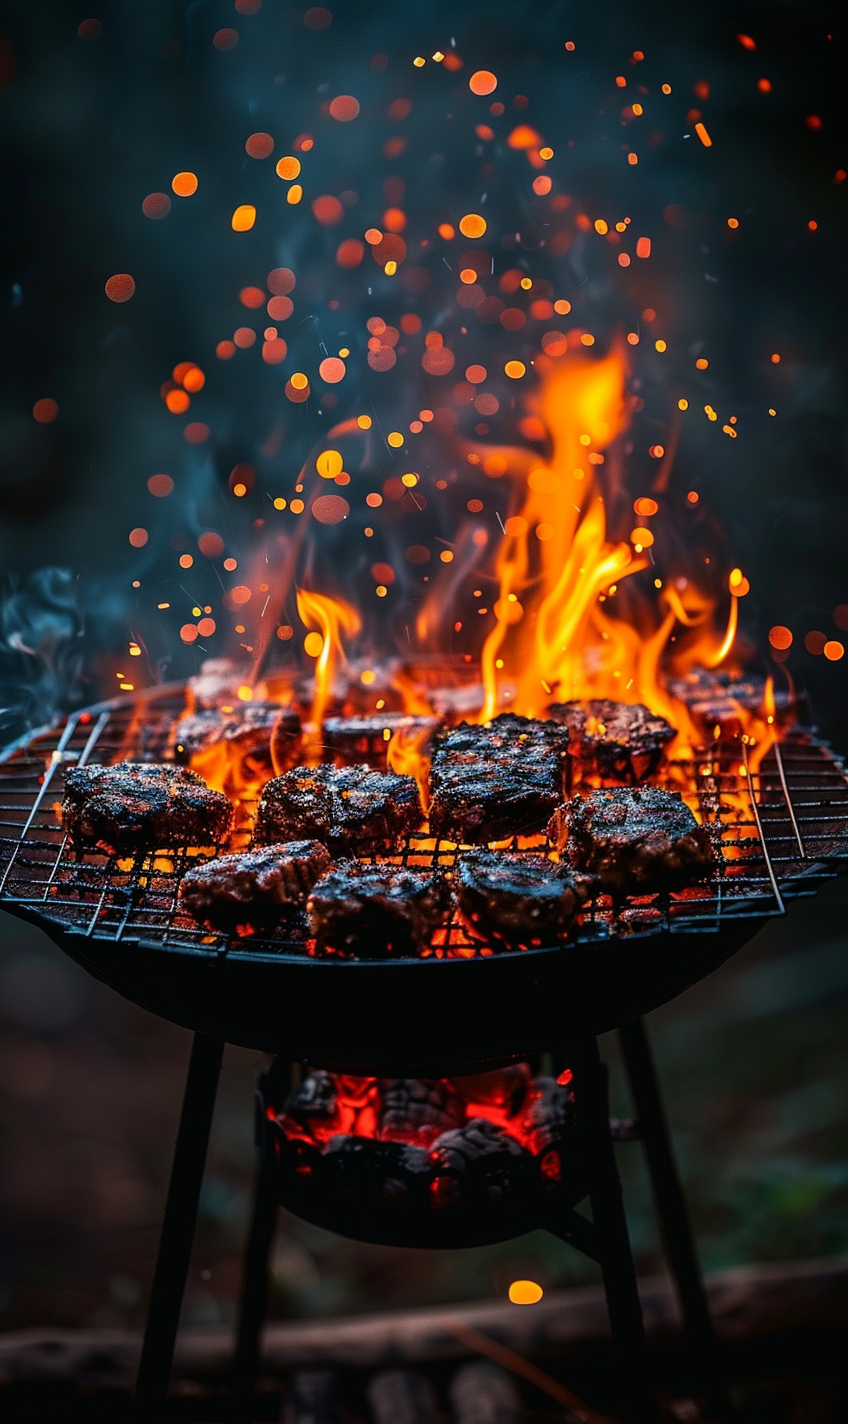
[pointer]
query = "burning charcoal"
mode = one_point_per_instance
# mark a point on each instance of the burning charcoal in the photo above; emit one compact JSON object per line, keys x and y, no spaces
{"x":312,"y":1398}
{"x":352,"y":810}
{"x":286,"y":737}
{"x":375,"y":910}
{"x":142,"y":806}
{"x":361,"y":1168}
{"x":636,"y":841}
{"x":616,"y":740}
{"x":497,"y":780}
{"x":517,"y":898}
{"x":315,"y":1097}
{"x":418,"y":1110}
{"x":402,"y":1397}
{"x":504,"y":1089}
{"x":483,"y":1161}
{"x":253,"y":887}
{"x":348,"y":740}
{"x":484,"y":1393}
{"x":548,"y":1116}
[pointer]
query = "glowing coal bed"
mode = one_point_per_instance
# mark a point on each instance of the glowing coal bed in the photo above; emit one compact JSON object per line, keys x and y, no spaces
{"x":423,"y":1159}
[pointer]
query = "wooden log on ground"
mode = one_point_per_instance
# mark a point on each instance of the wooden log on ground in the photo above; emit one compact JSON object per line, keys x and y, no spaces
{"x":747,"y":1304}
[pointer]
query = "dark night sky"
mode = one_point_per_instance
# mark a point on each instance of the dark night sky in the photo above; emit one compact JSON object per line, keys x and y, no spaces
{"x":89,"y":126}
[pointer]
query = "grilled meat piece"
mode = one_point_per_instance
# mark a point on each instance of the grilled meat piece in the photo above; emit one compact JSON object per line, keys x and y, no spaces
{"x":518,"y":899}
{"x":376,"y":910}
{"x":617,"y":740}
{"x":418,"y":1110}
{"x":497,"y":780}
{"x":352,"y":810}
{"x":636,"y":840}
{"x":253,"y":887}
{"x":256,"y":737}
{"x":724,"y":700}
{"x":142,"y":806}
{"x":348,"y":740}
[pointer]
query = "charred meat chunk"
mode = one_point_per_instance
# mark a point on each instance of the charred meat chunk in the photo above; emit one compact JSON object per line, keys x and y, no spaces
{"x":256,"y":737}
{"x":617,"y":740}
{"x":142,"y":806}
{"x":497,"y":780}
{"x":348,"y":740}
{"x":418,"y":1110}
{"x":517,"y":898}
{"x":636,"y":840}
{"x":352,"y":810}
{"x":253,"y":887}
{"x":376,"y":910}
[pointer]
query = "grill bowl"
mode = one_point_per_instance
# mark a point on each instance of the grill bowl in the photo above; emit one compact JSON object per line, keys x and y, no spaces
{"x":453,"y":1011}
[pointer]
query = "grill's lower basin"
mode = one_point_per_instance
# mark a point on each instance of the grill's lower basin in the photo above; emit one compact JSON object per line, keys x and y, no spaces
{"x":426,"y":1017}
{"x":364,"y":1192}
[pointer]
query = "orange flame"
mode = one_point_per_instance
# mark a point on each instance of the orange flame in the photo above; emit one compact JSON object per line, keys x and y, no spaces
{"x":329,"y":617}
{"x":405,"y":754}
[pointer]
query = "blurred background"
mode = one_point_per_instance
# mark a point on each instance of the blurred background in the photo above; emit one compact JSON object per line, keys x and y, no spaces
{"x":99,"y":113}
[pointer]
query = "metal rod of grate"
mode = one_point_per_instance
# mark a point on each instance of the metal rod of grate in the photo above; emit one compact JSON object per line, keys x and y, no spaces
{"x":781,"y":829}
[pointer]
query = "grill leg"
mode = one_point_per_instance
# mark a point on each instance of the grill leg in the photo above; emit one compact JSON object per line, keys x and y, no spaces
{"x":625,"y":1312}
{"x":674,"y":1217}
{"x":254,"y":1297}
{"x":178,"y":1225}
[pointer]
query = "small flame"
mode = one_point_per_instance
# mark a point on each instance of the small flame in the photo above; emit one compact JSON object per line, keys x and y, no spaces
{"x":329,"y":617}
{"x":406,"y":755}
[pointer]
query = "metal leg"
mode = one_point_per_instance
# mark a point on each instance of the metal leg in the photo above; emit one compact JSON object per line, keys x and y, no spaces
{"x":625,"y":1312}
{"x":178,"y":1225}
{"x":254,"y":1297}
{"x":673,"y":1215}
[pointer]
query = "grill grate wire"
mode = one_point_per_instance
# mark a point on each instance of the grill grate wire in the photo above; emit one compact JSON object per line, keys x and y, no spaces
{"x":782,"y":830}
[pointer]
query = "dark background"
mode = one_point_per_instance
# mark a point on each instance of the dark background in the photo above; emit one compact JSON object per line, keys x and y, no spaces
{"x":754,"y":1060}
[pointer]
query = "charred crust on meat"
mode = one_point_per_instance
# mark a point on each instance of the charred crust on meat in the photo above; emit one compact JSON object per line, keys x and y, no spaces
{"x":352,"y":810}
{"x":636,"y":840}
{"x":348,"y":740}
{"x":501,"y":779}
{"x":517,"y":898}
{"x":617,"y":740}
{"x":253,"y":888}
{"x":261,"y":736}
{"x":377,"y":910}
{"x":142,"y":806}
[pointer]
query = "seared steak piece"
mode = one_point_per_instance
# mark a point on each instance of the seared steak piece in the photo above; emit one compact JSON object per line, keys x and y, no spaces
{"x":258,"y":737}
{"x":497,"y":780}
{"x":636,"y":840}
{"x":142,"y":806}
{"x":348,"y":740}
{"x":418,"y":1110}
{"x":352,"y":810}
{"x":253,"y":887}
{"x":518,"y":899}
{"x":618,"y":740}
{"x":375,"y":910}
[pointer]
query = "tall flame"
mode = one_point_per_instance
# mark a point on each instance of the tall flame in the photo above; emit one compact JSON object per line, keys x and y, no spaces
{"x":329,"y":617}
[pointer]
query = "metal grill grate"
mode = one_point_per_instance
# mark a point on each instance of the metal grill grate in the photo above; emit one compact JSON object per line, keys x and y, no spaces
{"x":782,"y":829}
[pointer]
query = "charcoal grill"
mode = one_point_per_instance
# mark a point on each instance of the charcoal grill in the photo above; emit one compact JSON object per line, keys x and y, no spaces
{"x":454,"y":1008}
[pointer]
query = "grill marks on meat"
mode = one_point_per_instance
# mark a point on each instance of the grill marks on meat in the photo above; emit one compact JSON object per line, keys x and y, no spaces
{"x":352,"y":810}
{"x":142,"y":806}
{"x":257,"y":737}
{"x":377,"y":910}
{"x":636,"y":841}
{"x":498,"y":780}
{"x":348,"y":740}
{"x":518,"y":899}
{"x":253,"y":888}
{"x":616,"y":740}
